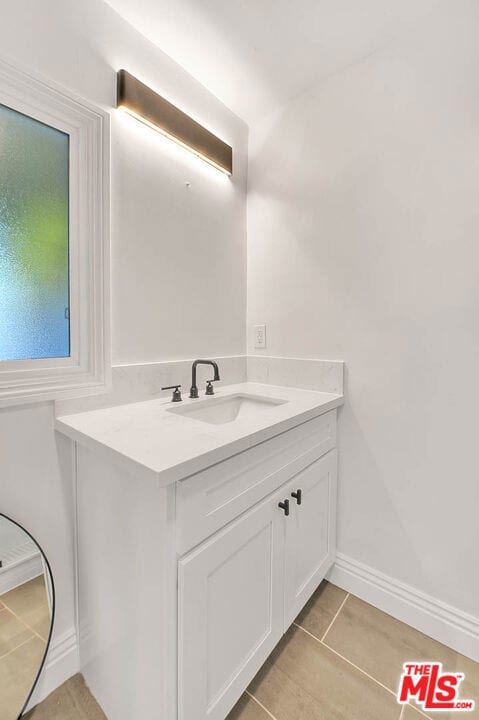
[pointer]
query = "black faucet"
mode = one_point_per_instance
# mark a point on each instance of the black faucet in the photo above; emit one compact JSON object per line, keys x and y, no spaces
{"x":194,"y":389}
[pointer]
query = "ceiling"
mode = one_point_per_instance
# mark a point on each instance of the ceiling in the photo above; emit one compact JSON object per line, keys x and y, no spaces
{"x":255,"y":55}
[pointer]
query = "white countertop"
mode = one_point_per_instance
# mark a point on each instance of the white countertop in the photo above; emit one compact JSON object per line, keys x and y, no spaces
{"x":151,"y":442}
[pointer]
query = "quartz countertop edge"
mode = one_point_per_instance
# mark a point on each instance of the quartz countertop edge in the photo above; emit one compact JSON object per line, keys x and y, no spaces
{"x":152,"y":443}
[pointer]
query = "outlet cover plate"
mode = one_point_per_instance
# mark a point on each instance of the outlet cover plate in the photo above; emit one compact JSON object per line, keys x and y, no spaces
{"x":260,"y":336}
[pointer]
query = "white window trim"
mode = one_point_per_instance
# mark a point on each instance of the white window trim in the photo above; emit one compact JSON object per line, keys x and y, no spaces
{"x":88,"y":369}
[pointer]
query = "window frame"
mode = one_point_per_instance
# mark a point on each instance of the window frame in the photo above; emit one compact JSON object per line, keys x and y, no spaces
{"x":88,"y":369}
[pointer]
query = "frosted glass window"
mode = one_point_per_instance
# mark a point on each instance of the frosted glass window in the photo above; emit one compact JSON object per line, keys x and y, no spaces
{"x":34,"y":273}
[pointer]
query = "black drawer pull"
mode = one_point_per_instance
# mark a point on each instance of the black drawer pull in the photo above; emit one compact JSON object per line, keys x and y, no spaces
{"x":284,"y":506}
{"x":298,"y":495}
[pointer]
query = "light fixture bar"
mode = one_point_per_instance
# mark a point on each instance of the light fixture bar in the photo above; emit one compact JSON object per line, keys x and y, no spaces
{"x":150,"y":108}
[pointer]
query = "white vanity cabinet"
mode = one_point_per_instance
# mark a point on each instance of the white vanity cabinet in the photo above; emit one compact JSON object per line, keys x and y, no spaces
{"x":186,"y":584}
{"x":240,"y":589}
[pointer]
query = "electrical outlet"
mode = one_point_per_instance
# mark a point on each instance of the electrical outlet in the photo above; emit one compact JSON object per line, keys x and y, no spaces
{"x":260,"y":336}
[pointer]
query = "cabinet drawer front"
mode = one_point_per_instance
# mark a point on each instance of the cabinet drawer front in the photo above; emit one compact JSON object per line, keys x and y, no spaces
{"x":210,"y":499}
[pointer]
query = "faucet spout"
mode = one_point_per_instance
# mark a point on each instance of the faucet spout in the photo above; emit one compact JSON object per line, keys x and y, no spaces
{"x":194,"y":388}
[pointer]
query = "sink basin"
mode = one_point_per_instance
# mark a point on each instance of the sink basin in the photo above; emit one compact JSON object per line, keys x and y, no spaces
{"x":219,"y":411}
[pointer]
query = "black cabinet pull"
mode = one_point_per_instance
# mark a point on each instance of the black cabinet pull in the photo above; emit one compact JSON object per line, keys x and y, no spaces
{"x":298,"y":495}
{"x":284,"y":506}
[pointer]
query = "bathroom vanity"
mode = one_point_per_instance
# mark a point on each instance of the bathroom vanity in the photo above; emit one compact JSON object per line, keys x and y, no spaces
{"x":203,"y":529}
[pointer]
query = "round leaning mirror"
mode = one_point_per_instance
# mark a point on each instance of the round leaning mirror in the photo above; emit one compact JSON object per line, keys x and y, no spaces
{"x":27,"y":608}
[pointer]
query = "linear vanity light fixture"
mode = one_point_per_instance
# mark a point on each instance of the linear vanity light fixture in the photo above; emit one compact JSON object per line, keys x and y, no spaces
{"x":148,"y":107}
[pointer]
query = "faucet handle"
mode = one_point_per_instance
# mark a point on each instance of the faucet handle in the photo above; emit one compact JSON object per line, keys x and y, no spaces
{"x":176,"y":392}
{"x":209,"y":387}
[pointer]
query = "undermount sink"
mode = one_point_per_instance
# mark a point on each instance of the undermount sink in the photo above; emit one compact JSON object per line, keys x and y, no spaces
{"x":225,"y":410}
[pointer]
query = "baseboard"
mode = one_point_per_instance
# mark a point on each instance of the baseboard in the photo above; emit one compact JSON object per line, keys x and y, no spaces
{"x":444,"y":623}
{"x":20,"y":572}
{"x":62,"y":663}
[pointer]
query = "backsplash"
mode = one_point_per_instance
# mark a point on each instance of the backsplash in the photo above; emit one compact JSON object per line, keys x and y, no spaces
{"x":307,"y":374}
{"x":134,"y":383}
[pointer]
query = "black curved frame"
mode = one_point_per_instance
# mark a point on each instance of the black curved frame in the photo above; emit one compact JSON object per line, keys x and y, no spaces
{"x":47,"y":646}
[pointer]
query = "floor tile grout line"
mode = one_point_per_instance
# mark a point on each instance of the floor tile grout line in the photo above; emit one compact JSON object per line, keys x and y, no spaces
{"x":421,"y":712}
{"x":417,"y":709}
{"x":260,"y":704}
{"x":363,"y":672}
{"x":2,"y":657}
{"x":29,"y":627}
{"x":6,"y":607}
{"x":335,"y":617}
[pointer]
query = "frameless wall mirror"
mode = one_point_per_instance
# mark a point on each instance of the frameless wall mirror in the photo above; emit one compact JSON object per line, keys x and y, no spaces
{"x":27,"y":608}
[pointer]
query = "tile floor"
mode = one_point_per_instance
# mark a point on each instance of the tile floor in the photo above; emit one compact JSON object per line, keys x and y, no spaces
{"x":340,"y":660}
{"x":24,"y":627}
{"x":71,"y":701}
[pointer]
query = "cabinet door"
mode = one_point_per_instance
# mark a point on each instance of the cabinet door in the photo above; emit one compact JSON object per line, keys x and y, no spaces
{"x":310,"y":533}
{"x":230,"y":610}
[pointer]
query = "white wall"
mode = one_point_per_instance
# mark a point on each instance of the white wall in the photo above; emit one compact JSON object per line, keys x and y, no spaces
{"x":168,"y":240}
{"x":11,"y":536}
{"x":175,"y":249}
{"x":35,"y":491}
{"x":363,"y":228}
